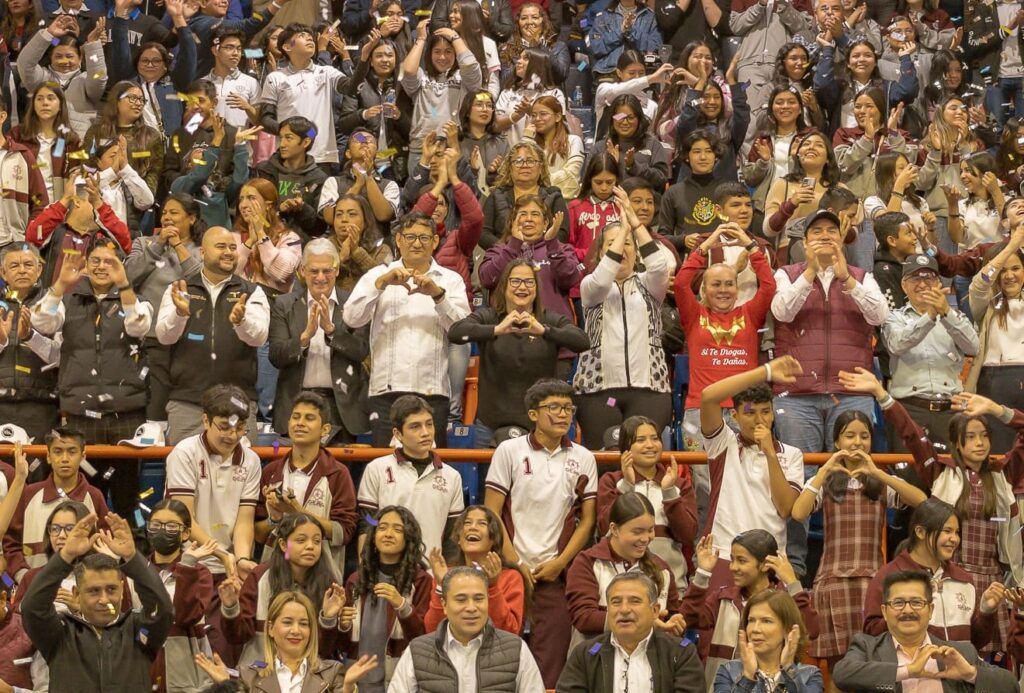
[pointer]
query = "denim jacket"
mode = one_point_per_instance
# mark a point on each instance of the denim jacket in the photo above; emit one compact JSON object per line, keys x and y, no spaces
{"x":800,"y":678}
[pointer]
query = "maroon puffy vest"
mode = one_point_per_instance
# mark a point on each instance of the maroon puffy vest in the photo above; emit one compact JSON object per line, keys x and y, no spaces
{"x":828,"y":335}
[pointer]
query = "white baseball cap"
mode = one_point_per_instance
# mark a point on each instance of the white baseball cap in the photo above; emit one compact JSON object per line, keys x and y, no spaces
{"x":10,"y":433}
{"x":147,"y":435}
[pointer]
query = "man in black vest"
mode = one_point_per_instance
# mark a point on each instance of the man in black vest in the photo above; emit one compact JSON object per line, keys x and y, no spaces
{"x":465,"y":645}
{"x":315,"y":350}
{"x":28,"y":381}
{"x":215,"y":322}
{"x":99,"y":323}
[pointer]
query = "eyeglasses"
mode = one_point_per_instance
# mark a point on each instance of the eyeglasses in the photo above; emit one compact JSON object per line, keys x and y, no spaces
{"x":170,"y":527}
{"x":624,"y":117}
{"x":898,"y":604}
{"x":364,"y":138}
{"x":413,"y":239}
{"x":555,"y":409}
{"x":921,"y":279}
{"x":133,"y":98}
{"x":228,"y":428}
{"x":57,"y":530}
{"x":524,"y":163}
{"x":516,"y":282}
{"x":231,"y":48}
{"x":151,"y":62}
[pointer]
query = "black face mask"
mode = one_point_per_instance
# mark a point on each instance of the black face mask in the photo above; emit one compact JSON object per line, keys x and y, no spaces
{"x":163,"y":542}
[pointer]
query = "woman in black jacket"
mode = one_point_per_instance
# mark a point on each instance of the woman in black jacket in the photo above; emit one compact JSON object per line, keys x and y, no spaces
{"x":519,"y":343}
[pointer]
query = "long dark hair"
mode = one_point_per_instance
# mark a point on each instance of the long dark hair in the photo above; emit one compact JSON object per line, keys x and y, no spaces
{"x":983,"y":163}
{"x":643,"y":123}
{"x":494,"y":530}
{"x":467,"y":105}
{"x":767,"y":125}
{"x":931,"y":516}
{"x":957,"y":437}
{"x":875,"y":80}
{"x":538,"y":62}
{"x":761,"y":544}
{"x":675,"y":92}
{"x":602,"y":162}
{"x":408,"y":565}
{"x":936,"y":89}
{"x":141,"y":137}
{"x":370,"y":238}
{"x":836,"y":483}
{"x":473,"y":30}
{"x":630,"y":428}
{"x":630,"y":506}
{"x":830,"y":174}
{"x":885,"y":178}
{"x":780,"y":78}
{"x":1007,"y":158}
{"x":30,"y":126}
{"x":80,"y":510}
{"x":321,"y":574}
{"x":498,"y":295}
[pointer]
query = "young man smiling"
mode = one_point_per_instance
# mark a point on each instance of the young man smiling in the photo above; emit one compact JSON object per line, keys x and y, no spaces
{"x":236,"y":90}
{"x":308,"y":479}
{"x":544,"y":478}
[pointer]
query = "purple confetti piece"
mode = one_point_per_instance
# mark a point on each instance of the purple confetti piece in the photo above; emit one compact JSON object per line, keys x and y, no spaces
{"x":277,"y":446}
{"x":371,"y":520}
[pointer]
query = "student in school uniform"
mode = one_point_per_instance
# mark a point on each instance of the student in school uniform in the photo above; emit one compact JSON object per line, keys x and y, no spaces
{"x":24,"y":541}
{"x":755,"y":479}
{"x":297,"y":562}
{"x":308,"y":479}
{"x":389,"y":594}
{"x":671,"y":494}
{"x":626,"y":547}
{"x":414,"y":475}
{"x":175,"y":559}
{"x":218,"y":480}
{"x":549,"y":485}
{"x":756,"y":566}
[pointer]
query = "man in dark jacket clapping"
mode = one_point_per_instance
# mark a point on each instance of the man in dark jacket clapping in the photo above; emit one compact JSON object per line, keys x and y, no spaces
{"x":101,"y":649}
{"x":653,"y":659}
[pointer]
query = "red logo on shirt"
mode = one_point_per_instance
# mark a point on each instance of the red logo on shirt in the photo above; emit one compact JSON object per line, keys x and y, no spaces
{"x":440,"y":483}
{"x":389,"y":475}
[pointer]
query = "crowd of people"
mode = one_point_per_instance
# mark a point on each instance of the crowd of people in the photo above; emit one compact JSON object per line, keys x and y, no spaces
{"x":746,"y":228}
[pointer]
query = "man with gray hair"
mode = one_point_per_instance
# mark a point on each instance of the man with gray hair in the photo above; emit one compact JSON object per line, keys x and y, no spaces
{"x":28,"y":381}
{"x":314,"y":349}
{"x":632,"y":655}
{"x":465,"y":646}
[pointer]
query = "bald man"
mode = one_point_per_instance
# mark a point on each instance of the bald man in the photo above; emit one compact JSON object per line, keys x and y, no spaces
{"x":213,"y":322}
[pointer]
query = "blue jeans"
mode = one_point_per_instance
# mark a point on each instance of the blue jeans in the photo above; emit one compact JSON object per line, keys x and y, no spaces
{"x":266,"y":383}
{"x":1007,"y":92}
{"x":961,"y":285}
{"x":806,"y":422}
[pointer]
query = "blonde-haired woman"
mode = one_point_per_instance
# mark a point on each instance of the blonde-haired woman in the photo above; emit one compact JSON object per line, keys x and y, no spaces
{"x":523,"y":172}
{"x":290,"y":654}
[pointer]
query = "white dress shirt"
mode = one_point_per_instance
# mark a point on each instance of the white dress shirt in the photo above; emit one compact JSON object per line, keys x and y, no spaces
{"x":463,"y":658}
{"x":287,"y":682}
{"x":318,"y":353}
{"x":790,"y":296}
{"x":408,"y":331}
{"x":632,"y":671}
{"x":252,"y":330}
{"x":49,"y":318}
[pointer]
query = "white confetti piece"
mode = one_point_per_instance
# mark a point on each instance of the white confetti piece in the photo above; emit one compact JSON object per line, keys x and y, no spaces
{"x":87,"y":468}
{"x":374,"y":416}
{"x":93,"y":414}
